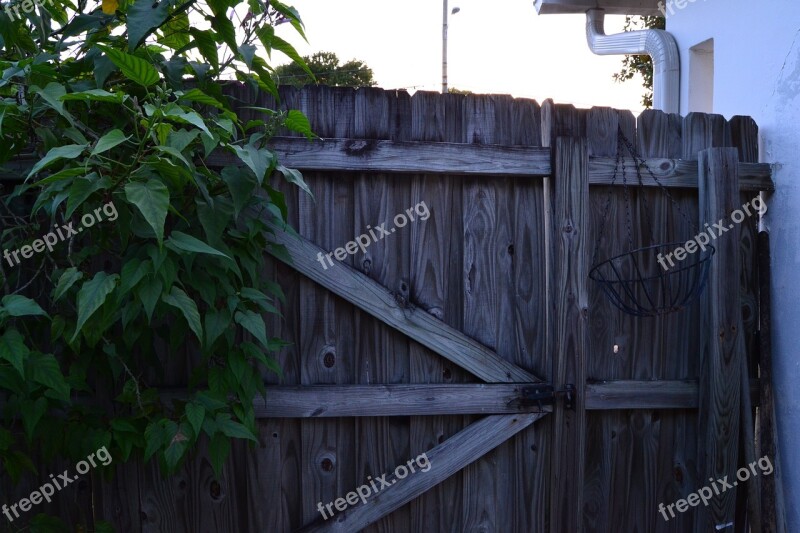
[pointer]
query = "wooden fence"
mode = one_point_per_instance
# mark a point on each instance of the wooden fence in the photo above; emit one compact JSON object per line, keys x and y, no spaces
{"x":440,"y":337}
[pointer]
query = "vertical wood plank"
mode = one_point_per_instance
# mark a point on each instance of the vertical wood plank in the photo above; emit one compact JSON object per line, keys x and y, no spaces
{"x":482,"y":300}
{"x":744,"y":137}
{"x":326,"y":333}
{"x":437,"y":288}
{"x":722,"y":326}
{"x":659,"y":135}
{"x":569,"y":306}
{"x":529,"y":465}
{"x":382,"y":353}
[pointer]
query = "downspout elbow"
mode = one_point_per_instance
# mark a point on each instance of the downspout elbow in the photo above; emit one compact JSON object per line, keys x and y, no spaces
{"x":658,"y":44}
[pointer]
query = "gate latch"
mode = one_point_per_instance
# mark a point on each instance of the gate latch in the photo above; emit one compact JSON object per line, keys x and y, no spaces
{"x":544,"y":394}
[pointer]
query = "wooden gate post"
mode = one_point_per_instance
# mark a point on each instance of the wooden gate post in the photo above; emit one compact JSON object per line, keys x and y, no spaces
{"x":567,"y":194}
{"x":723,"y":342}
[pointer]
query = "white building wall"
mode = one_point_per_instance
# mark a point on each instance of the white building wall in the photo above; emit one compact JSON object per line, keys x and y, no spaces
{"x":757,"y":73}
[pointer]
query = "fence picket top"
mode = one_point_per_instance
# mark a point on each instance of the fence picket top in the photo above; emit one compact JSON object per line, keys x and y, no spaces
{"x":602,"y":124}
{"x":344,"y":102}
{"x":428,"y":112}
{"x":526,"y":116}
{"x":660,"y":134}
{"x":744,"y":134}
{"x":702,"y":131}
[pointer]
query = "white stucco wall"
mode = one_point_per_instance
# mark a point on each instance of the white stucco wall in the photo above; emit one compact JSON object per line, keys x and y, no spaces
{"x":757,"y":73}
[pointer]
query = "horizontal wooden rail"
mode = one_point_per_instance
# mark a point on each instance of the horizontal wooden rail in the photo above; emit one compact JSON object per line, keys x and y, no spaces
{"x":411,"y":157}
{"x":391,"y":400}
{"x":330,"y":401}
{"x":648,"y":394}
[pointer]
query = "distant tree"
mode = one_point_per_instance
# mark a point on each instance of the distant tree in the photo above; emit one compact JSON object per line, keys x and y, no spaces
{"x":453,"y":90}
{"x":327,"y":71}
{"x":640,"y":64}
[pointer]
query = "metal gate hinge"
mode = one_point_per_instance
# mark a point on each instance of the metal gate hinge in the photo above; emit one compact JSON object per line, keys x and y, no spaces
{"x":544,"y":394}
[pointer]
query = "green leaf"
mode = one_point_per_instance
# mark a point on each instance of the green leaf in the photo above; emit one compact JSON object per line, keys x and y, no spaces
{"x":241,"y":184}
{"x":225,"y":29}
{"x":291,"y":14}
{"x":248,"y":52}
{"x":109,"y":141}
{"x":294,"y":176}
{"x":152,"y":200}
{"x":177,"y":446}
{"x":52,"y":94}
{"x":216,"y":324}
{"x":82,"y":189}
{"x":187,"y":243}
{"x":133,"y":272}
{"x":16,"y":305}
{"x":176,"y":32}
{"x":234,"y":429}
{"x":31,"y":412}
{"x":58,"y":176}
{"x":47,"y":372}
{"x":154,"y":435}
{"x":218,"y":450}
{"x":204,"y":39}
{"x":92,"y":295}
{"x":13,"y":350}
{"x":282,"y":46}
{"x":180,"y":139}
{"x":188,"y":117}
{"x":135,"y":69}
{"x":297,"y":121}
{"x":254,"y":323}
{"x":95,"y":95}
{"x":196,"y":95}
{"x":149,"y":292}
{"x":259,"y":160}
{"x":176,"y":154}
{"x":195,"y":414}
{"x":178,"y":298}
{"x":143,"y":17}
{"x":70,"y":151}
{"x":67,"y":280}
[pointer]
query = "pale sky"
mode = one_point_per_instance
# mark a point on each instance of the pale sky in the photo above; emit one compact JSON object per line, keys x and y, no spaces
{"x":507,"y":49}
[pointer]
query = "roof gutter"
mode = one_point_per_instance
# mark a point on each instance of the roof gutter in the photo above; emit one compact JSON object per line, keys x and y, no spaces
{"x":658,"y":44}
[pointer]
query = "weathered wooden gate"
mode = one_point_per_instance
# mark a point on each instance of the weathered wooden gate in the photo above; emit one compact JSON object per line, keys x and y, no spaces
{"x":455,"y":334}
{"x":474,"y":334}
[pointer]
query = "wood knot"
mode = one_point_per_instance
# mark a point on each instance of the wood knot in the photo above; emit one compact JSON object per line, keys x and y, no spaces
{"x":359,"y":147}
{"x":215,"y":490}
{"x":327,"y":464}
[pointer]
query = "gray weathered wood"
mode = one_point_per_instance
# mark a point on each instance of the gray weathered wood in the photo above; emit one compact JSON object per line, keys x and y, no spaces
{"x":375,"y":299}
{"x":652,"y":394}
{"x":723,"y":344}
{"x":568,"y":302}
{"x":321,"y":401}
{"x":446,"y":459}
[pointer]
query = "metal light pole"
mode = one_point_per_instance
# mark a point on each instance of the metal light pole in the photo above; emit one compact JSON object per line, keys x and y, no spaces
{"x":445,"y":14}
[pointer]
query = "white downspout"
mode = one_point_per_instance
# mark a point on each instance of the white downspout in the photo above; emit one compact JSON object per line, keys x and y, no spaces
{"x":658,"y":44}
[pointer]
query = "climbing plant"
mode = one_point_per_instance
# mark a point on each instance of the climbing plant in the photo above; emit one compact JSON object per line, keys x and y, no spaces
{"x":119,"y":106}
